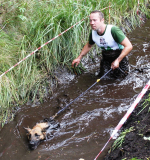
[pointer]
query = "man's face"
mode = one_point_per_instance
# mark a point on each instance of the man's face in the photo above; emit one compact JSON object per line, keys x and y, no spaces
{"x":95,"y":21}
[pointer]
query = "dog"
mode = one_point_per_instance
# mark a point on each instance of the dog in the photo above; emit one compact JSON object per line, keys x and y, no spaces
{"x":40,"y":132}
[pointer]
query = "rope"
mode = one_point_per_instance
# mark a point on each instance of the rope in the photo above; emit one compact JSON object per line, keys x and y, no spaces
{"x":41,"y":47}
{"x":60,"y":35}
{"x":138,"y":13}
{"x":45,"y":44}
{"x":109,"y":12}
{"x":138,"y":7}
{"x":126,"y":116}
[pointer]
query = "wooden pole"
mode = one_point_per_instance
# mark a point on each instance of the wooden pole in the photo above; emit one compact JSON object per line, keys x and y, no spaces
{"x":109,"y":12}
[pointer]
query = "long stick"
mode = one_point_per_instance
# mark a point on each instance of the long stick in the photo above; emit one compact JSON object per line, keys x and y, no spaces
{"x":80,"y":95}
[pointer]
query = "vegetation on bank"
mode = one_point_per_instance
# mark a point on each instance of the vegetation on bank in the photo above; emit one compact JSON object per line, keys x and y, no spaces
{"x":26,"y":25}
{"x":134,"y":139}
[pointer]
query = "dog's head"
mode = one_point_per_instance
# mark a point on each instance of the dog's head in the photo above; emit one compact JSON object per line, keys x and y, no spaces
{"x":37,"y":134}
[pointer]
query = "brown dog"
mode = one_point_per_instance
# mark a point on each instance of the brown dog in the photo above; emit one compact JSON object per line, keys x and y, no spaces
{"x":39,"y":132}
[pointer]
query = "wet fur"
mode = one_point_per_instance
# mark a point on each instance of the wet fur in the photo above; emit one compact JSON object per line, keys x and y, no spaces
{"x":39,"y":132}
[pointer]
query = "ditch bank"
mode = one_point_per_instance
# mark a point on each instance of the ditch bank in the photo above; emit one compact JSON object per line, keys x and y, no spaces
{"x":136,"y":143}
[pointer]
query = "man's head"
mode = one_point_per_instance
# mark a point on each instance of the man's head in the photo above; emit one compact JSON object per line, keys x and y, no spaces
{"x":97,"y":21}
{"x":100,"y":14}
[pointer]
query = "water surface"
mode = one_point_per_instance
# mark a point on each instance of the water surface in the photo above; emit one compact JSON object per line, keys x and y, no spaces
{"x":87,"y":123}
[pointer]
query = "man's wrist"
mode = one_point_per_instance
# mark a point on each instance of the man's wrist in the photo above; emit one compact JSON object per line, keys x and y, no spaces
{"x":80,"y":56}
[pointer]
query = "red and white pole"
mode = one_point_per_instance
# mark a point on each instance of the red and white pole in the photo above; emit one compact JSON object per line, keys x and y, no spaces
{"x":40,"y":47}
{"x":126,"y":116}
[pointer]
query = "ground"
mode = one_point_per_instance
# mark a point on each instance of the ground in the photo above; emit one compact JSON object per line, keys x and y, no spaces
{"x":136,"y":145}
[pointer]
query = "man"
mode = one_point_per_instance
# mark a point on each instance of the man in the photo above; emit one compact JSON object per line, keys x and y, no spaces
{"x":114,"y":44}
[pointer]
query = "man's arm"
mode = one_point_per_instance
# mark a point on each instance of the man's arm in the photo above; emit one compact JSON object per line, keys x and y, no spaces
{"x":127,"y":48}
{"x":84,"y":51}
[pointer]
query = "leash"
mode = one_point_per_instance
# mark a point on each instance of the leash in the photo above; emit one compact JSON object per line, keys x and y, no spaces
{"x":125,"y":72}
{"x":80,"y":95}
{"x":85,"y":92}
{"x":135,"y":69}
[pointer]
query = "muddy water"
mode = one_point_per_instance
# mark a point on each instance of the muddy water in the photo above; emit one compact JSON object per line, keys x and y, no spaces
{"x":88,"y":123}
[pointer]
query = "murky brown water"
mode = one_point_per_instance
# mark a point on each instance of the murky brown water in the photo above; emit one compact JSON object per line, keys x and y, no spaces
{"x":88,"y":123}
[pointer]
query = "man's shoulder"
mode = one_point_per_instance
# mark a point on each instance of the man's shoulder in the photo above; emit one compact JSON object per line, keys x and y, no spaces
{"x":117,"y":34}
{"x":115,"y":29}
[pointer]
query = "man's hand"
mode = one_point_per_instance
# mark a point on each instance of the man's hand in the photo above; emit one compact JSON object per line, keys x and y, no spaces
{"x":84,"y":51}
{"x":115,"y":64}
{"x":76,"y":61}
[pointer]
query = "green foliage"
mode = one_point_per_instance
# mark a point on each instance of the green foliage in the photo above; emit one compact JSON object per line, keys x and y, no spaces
{"x":29,"y":24}
{"x":132,"y":159}
{"x":119,"y":141}
{"x":135,"y":159}
{"x":145,"y":104}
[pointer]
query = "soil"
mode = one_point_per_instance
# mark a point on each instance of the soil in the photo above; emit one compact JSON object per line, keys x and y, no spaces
{"x":136,"y":145}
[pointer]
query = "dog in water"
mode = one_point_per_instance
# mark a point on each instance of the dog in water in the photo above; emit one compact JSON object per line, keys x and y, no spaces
{"x":40,"y":132}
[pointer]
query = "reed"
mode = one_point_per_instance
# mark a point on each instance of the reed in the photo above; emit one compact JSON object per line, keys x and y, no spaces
{"x":29,"y":24}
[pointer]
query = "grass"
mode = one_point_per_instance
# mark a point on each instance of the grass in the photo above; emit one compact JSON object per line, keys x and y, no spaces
{"x":132,"y":159}
{"x":119,"y":141}
{"x":145,"y":104}
{"x":26,"y":25}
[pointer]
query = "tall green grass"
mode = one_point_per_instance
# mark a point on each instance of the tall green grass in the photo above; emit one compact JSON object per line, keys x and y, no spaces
{"x":29,"y":24}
